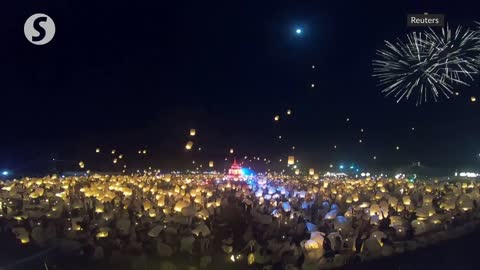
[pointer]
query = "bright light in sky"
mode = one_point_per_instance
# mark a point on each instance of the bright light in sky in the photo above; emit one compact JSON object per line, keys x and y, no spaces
{"x":298,"y":31}
{"x":5,"y":173}
{"x":341,"y":166}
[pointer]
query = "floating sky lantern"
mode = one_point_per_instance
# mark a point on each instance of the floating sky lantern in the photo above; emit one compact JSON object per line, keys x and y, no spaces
{"x":291,"y":160}
{"x":97,"y":150}
{"x":276,"y":118}
{"x":311,"y":171}
{"x":193,"y":132}
{"x":473,"y":99}
{"x":189,"y":145}
{"x":231,"y":150}
{"x":114,"y":151}
{"x":210,"y":164}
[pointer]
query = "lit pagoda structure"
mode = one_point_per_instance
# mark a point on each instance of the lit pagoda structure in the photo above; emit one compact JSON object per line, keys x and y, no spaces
{"x":235,"y":171}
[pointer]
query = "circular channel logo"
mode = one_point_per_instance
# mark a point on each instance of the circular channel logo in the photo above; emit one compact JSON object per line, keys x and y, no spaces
{"x":39,"y":29}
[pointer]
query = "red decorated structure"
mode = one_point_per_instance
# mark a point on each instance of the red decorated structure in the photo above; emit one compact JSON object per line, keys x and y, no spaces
{"x":235,"y":171}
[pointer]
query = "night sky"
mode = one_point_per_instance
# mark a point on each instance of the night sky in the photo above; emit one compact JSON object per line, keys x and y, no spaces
{"x":129,"y":76}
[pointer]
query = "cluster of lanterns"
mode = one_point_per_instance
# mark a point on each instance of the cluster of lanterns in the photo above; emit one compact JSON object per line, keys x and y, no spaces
{"x":176,"y":197}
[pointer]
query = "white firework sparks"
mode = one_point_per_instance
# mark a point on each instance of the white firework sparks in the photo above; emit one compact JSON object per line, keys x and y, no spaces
{"x":428,"y":64}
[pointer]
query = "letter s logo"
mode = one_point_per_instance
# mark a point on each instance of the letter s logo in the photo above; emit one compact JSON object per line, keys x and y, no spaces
{"x":39,"y":29}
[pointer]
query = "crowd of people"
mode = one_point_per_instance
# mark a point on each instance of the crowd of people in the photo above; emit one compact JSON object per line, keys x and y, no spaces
{"x":262,"y":222}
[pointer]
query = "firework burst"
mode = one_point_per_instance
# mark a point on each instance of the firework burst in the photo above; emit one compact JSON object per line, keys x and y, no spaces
{"x":428,"y":64}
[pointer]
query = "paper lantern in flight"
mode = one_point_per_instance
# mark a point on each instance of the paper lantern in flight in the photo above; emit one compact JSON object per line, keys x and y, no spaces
{"x":189,"y":145}
{"x":473,"y":99}
{"x":289,"y":112}
{"x":114,"y":151}
{"x":311,"y":171}
{"x":210,"y":164}
{"x":291,"y":160}
{"x":193,"y":132}
{"x":231,"y":150}
{"x":97,"y":150}
{"x":81,"y":164}
{"x":297,"y":172}
{"x":276,"y":118}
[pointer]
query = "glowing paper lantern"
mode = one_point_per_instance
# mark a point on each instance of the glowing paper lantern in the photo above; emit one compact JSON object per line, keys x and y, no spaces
{"x":374,"y":209}
{"x":419,"y":227}
{"x":289,"y":112}
{"x":311,"y":245}
{"x":231,"y":150}
{"x":331,"y":215}
{"x":291,"y":160}
{"x":210,"y":164}
{"x":427,"y":199}
{"x":193,"y":132}
{"x":103,"y":232}
{"x":251,"y":258}
{"x":406,"y":200}
{"x":22,"y":235}
{"x":147,"y":205}
{"x":297,"y":172}
{"x":152,"y":213}
{"x":189,"y":145}
{"x":465,"y":203}
{"x":473,"y":99}
{"x":276,"y":118}
{"x":180,"y":205}
{"x":97,"y":150}
{"x":311,"y":171}
{"x":99,"y":208}
{"x":392,"y":201}
{"x":424,"y":212}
